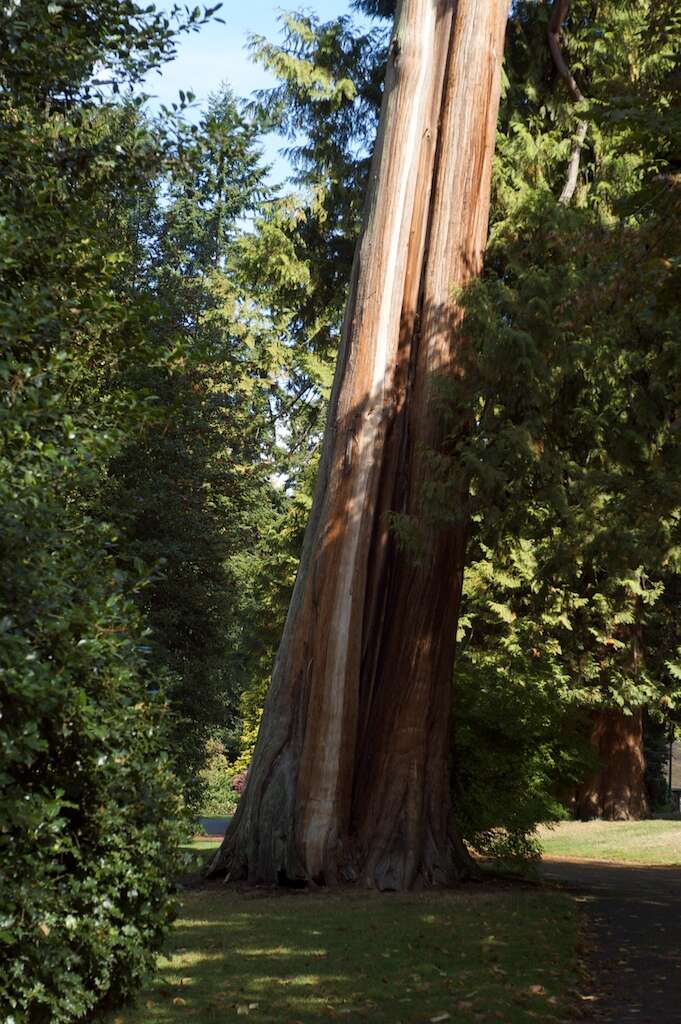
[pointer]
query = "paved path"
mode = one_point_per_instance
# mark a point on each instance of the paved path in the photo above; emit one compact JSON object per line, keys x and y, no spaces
{"x":214,"y":826}
{"x":634,"y":940}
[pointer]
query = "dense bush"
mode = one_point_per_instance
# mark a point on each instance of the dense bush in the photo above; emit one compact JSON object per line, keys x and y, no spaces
{"x":88,"y":833}
{"x":88,"y":807}
{"x":219,"y":794}
{"x":512,"y":764}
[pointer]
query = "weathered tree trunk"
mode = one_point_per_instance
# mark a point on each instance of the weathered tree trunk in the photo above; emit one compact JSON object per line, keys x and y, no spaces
{"x":617,"y":792}
{"x":558,"y":15}
{"x":349,"y":779}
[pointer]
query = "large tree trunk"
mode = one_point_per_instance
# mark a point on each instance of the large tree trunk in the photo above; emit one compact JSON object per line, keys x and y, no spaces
{"x":617,"y":792}
{"x":349,"y":779}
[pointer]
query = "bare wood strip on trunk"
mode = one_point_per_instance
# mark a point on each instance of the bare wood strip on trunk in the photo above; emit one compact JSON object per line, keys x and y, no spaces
{"x":572,"y":177}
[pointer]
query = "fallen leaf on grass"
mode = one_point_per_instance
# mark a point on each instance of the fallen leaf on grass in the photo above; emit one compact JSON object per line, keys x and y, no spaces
{"x":178,"y":1001}
{"x":440,"y":1016}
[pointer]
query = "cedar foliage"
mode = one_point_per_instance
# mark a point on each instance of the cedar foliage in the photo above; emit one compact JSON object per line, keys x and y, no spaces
{"x":575,"y":463}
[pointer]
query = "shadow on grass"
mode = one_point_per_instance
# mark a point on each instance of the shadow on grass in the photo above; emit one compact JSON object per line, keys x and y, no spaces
{"x":508,"y":955}
{"x":634,"y":914}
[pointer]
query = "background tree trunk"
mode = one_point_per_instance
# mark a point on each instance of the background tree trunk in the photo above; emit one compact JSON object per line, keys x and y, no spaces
{"x":618,"y":791}
{"x":350,"y":776}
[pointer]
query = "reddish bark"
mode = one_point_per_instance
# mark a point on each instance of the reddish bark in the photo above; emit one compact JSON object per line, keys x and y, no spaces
{"x":617,"y":792}
{"x":349,"y":779}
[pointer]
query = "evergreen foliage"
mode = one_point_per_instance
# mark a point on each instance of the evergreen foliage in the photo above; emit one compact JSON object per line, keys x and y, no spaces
{"x":192,"y":488}
{"x":574,"y":460}
{"x":376,"y":8}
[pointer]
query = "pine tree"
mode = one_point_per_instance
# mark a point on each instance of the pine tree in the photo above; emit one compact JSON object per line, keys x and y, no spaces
{"x":193,"y":488}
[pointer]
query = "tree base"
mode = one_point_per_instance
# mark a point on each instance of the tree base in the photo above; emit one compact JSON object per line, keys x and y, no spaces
{"x":395,"y":871}
{"x":618,"y":790}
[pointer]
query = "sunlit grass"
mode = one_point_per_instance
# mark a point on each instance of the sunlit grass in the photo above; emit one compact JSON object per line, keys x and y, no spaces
{"x":498,"y":955}
{"x":640,"y":842}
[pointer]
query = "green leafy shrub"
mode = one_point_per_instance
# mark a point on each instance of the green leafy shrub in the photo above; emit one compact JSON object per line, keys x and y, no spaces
{"x":219,"y":796}
{"x":510,"y":761}
{"x":89,"y":810}
{"x":89,"y":830}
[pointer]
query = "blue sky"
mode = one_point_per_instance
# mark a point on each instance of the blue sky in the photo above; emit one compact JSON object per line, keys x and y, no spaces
{"x":218,"y":52}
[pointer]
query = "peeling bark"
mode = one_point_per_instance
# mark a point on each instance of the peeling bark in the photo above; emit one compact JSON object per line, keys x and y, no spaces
{"x":350,"y":777}
{"x":617,"y":792}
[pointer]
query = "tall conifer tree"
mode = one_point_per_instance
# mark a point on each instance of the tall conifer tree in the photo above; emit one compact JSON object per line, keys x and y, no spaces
{"x":350,"y":776}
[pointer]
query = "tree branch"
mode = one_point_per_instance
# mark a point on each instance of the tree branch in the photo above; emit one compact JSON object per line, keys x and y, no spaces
{"x":558,"y":15}
{"x":573,"y":166}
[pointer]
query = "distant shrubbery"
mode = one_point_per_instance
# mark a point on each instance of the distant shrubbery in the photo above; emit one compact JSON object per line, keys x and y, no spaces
{"x":220,"y":784}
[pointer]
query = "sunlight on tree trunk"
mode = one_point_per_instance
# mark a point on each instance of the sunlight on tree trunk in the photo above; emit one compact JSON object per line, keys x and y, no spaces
{"x":350,"y":777}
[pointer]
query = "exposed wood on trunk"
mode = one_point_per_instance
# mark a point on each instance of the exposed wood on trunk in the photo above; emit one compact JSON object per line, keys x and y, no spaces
{"x":617,"y":792}
{"x":573,"y":166}
{"x":558,"y":15}
{"x":350,"y":775}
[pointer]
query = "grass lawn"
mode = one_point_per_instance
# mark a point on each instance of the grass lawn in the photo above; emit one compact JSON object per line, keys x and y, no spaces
{"x":197,"y":854}
{"x":641,"y":842}
{"x":481,"y":954}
